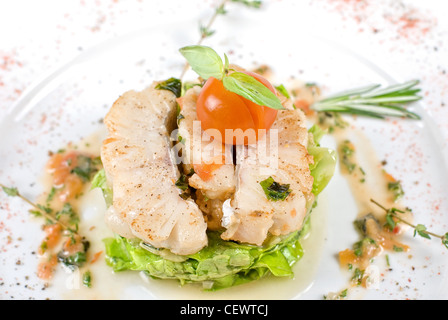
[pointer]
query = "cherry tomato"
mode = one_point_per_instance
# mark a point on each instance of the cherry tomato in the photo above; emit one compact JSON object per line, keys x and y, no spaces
{"x":220,"y":109}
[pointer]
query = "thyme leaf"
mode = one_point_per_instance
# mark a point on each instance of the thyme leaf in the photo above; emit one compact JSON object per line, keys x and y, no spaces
{"x":12,"y":192}
{"x":420,"y":229}
{"x":250,"y":3}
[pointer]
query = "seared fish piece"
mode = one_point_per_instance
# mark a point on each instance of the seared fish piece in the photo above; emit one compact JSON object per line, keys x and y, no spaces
{"x":250,"y":216}
{"x":139,"y":162}
{"x":211,"y":160}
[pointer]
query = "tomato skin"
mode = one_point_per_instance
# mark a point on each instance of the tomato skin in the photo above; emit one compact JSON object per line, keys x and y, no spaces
{"x":220,"y":109}
{"x":267,"y":115}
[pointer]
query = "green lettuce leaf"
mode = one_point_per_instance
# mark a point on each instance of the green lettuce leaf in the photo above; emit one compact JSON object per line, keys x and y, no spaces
{"x":324,"y":164}
{"x":220,"y":265}
{"x":100,"y":181}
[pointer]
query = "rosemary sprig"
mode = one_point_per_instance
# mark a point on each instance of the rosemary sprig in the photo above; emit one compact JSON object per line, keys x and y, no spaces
{"x":419,"y":229}
{"x":373,"y":101}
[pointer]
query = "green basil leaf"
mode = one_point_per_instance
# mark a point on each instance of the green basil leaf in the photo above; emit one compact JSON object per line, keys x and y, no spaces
{"x":251,"y":89}
{"x":204,"y":61}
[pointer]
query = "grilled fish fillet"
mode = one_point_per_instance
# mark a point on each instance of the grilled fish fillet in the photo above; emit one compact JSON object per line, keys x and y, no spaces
{"x":202,"y":149}
{"x":203,"y":154}
{"x":139,"y":163}
{"x":251,"y":216}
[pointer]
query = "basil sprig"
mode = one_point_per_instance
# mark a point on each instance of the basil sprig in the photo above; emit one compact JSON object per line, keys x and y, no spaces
{"x":207,"y":63}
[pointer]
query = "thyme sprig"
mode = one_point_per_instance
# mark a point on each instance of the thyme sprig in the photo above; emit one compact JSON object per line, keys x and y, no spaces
{"x":373,"y":101}
{"x":419,"y":229}
{"x":206,"y":30}
{"x":38,"y":210}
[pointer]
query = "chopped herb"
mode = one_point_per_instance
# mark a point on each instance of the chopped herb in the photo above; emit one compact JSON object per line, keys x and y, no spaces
{"x":398,"y":249}
{"x":75,"y":260}
{"x":331,"y":120}
{"x":362,"y":180}
{"x":275,"y":191}
{"x":97,"y":161}
{"x":86,"y":168}
{"x":396,"y":189}
{"x":387,"y":260}
{"x":51,"y":195}
{"x":343,"y":294}
{"x":87,"y":279}
{"x":181,"y":140}
{"x":360,"y":246}
{"x":172,"y":84}
{"x":185,"y":195}
{"x":67,"y":210}
{"x":358,"y":276}
{"x":347,"y":150}
{"x":44,"y":246}
{"x":182,"y":182}
{"x":180,"y":116}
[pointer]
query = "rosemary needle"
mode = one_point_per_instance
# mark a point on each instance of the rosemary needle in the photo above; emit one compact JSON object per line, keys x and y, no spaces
{"x":373,"y":101}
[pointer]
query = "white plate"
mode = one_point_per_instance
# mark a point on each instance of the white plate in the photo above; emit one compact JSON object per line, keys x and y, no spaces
{"x":69,"y":104}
